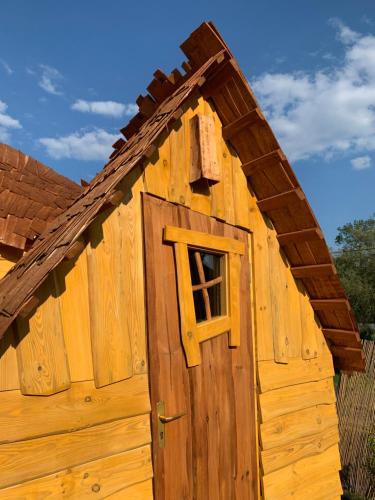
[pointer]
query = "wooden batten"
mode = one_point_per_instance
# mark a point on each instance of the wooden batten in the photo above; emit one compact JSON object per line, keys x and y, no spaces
{"x":74,"y":250}
{"x":281,"y":200}
{"x":31,"y":304}
{"x":203,"y":154}
{"x":263,"y":162}
{"x":330,"y":305}
{"x":301,"y":236}
{"x":338,"y":337}
{"x":314,"y":271}
{"x":116,"y":198}
{"x":348,"y":353}
{"x":250,"y":119}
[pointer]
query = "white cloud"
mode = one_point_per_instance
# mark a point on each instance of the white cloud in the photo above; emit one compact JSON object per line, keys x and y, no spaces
{"x":6,"y":67}
{"x":49,"y":79}
{"x":326,"y":112}
{"x":106,"y":108}
{"x":82,"y":145}
{"x":6,"y":123}
{"x":361,"y":162}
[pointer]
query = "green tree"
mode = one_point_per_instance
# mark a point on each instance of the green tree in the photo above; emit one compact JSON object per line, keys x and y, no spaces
{"x":355,"y":262}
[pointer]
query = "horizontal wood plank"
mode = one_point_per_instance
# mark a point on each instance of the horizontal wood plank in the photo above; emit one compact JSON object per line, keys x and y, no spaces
{"x":203,"y":240}
{"x":294,"y":480}
{"x":287,"y":428}
{"x":298,"y":371}
{"x":139,"y":491}
{"x":26,"y":460}
{"x":296,"y":397}
{"x":82,"y":406}
{"x":99,"y":478}
{"x":306,"y":446}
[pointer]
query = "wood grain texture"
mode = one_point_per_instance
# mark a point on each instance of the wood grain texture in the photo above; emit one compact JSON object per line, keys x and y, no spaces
{"x":292,"y":426}
{"x":82,"y":406}
{"x":298,"y":448}
{"x":308,"y":474}
{"x":139,"y":491}
{"x":8,"y":362}
{"x":273,"y":375}
{"x":72,"y":287}
{"x":42,"y":361}
{"x":133,"y":280}
{"x":215,"y":394}
{"x":279,"y":304}
{"x":26,"y":460}
{"x":110,"y":338}
{"x":295,"y":397}
{"x":203,"y":155}
{"x":99,"y":478}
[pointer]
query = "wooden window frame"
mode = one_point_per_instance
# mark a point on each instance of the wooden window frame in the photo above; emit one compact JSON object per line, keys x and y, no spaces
{"x":193,"y":333}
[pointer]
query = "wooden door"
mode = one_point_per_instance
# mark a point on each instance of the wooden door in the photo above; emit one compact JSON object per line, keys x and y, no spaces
{"x":210,"y":453}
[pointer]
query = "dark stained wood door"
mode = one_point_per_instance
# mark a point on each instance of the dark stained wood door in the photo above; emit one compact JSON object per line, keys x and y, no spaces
{"x":210,"y":453}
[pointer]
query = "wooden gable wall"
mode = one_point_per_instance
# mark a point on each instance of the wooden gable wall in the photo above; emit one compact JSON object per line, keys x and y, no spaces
{"x":84,"y":349}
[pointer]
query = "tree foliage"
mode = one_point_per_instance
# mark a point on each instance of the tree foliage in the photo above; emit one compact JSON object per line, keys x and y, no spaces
{"x":355,"y":262}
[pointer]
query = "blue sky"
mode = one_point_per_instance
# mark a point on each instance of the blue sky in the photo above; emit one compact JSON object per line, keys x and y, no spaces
{"x":70,"y":73}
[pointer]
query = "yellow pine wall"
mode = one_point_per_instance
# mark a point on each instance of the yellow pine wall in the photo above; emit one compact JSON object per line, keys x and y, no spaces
{"x":84,"y":349}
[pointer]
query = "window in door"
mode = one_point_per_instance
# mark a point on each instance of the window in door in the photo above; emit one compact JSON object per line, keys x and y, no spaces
{"x":208,"y":275}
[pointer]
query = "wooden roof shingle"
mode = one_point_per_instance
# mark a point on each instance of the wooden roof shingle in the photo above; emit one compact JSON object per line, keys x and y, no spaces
{"x":31,"y":196}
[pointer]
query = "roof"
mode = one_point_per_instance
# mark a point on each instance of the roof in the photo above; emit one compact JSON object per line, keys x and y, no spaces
{"x":31,"y":196}
{"x":212,"y":71}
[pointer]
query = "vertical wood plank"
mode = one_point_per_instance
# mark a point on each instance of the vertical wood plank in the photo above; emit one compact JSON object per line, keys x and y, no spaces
{"x":279,"y":305}
{"x":235,"y":299}
{"x":241,"y":193}
{"x":309,"y":345}
{"x":41,"y":355}
{"x":110,"y":339}
{"x":133,"y":279}
{"x":72,"y":285}
{"x":261,"y":287}
{"x":187,"y":313}
{"x":156,"y":173}
{"x":179,"y":187}
{"x":8,"y":362}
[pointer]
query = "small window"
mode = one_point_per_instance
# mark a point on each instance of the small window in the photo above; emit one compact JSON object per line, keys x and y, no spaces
{"x":208,"y":277}
{"x":207,"y":272}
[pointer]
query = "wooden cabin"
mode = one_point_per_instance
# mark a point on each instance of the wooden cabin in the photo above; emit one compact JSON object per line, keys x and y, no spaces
{"x":172,"y":331}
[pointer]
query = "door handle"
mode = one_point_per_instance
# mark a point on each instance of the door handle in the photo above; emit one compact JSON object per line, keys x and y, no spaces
{"x":166,"y":420}
{"x":163,"y":419}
